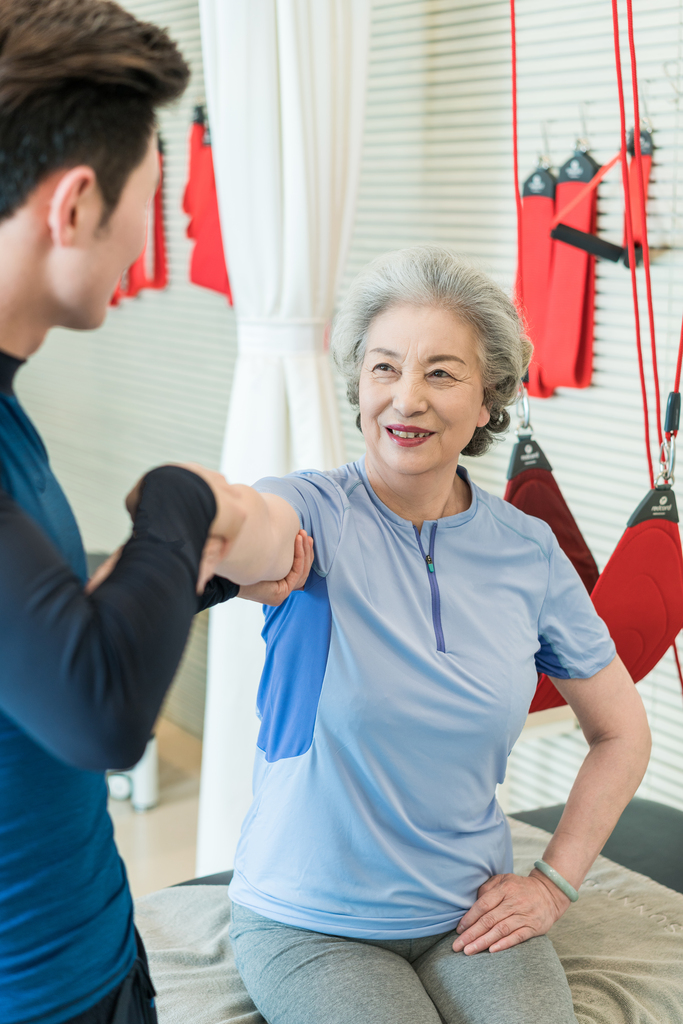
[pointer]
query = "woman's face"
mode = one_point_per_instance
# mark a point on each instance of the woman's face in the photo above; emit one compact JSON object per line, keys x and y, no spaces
{"x":420,"y":377}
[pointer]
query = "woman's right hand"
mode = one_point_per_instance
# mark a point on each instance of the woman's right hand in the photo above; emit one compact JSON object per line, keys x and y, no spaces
{"x":273,"y":593}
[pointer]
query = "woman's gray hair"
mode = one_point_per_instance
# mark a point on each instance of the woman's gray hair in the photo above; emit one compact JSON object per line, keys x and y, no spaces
{"x":430,"y":275}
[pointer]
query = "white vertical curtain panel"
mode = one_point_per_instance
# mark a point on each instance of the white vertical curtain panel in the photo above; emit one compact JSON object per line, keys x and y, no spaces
{"x":286,"y":85}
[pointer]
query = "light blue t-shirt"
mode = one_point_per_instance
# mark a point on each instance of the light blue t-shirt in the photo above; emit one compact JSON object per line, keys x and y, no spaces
{"x":395,"y":686}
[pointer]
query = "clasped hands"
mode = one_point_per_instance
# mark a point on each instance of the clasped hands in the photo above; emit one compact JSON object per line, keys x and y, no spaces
{"x":223,"y":531}
{"x":510,"y":909}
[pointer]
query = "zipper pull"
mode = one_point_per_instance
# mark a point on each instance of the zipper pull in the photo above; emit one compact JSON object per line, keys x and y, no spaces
{"x":430,"y":564}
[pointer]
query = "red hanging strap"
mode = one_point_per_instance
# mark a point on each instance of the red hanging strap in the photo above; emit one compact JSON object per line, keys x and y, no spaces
{"x":200,"y":202}
{"x":568,"y":335}
{"x":538,"y":205}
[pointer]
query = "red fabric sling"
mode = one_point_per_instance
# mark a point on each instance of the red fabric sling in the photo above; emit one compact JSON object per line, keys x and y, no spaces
{"x":200,"y":202}
{"x":567,"y":346}
{"x":532,"y":488}
{"x":538,"y":208}
{"x":640,"y":592}
{"x":536,"y":492}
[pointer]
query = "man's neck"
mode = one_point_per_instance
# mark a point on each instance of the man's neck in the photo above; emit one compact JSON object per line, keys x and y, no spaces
{"x":24,"y":310}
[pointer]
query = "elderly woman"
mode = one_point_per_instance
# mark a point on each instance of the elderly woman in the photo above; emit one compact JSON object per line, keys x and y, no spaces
{"x":375,"y":860}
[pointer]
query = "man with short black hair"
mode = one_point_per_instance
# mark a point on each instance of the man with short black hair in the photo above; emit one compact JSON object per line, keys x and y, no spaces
{"x":82,"y":674}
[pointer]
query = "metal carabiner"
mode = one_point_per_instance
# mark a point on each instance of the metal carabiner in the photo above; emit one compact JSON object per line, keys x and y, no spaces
{"x":667,"y":461}
{"x":523,"y":411}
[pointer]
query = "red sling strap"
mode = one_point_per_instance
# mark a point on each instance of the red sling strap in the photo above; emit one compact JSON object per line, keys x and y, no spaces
{"x":567,"y":347}
{"x":538,"y":208}
{"x":639,"y":226}
{"x":200,"y":202}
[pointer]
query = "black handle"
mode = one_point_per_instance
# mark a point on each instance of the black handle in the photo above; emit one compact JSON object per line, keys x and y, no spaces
{"x":673,"y":413}
{"x":589,"y":243}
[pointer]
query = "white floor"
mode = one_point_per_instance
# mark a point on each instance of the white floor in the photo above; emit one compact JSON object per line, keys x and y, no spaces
{"x":159,"y":846}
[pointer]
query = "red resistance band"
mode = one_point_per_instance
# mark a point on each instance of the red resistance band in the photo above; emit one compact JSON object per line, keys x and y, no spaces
{"x":136,"y":277}
{"x":566,"y":349}
{"x":200,"y":202}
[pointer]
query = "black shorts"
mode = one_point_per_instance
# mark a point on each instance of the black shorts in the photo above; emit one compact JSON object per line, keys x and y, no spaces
{"x":131,"y":1002}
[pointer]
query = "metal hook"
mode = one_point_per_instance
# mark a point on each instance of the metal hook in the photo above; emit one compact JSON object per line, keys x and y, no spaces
{"x":673,"y":80}
{"x":583,"y":142}
{"x":544,"y":157}
{"x":523,"y":411}
{"x":646,"y":121}
{"x":667,"y":461}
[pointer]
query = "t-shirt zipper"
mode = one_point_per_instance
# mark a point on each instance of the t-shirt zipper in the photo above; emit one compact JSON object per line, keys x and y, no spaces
{"x":434,"y":586}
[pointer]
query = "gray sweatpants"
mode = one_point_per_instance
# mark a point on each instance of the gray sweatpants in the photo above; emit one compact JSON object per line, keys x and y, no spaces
{"x":296,"y":976}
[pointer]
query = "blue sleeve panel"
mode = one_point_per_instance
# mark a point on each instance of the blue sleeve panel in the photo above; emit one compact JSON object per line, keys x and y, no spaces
{"x":548,"y":662}
{"x":297,"y":636}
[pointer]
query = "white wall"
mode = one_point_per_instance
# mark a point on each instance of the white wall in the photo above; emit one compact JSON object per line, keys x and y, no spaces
{"x":154,"y":382}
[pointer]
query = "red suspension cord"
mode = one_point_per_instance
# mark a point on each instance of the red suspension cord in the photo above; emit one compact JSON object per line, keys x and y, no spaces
{"x":629,"y":237}
{"x":642,"y":203}
{"x":515,"y":160}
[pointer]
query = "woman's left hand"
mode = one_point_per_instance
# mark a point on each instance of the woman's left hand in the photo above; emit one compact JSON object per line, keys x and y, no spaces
{"x":510,"y":909}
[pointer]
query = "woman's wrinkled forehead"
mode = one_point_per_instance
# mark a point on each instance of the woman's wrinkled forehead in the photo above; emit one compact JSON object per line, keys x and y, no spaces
{"x":429,"y":334}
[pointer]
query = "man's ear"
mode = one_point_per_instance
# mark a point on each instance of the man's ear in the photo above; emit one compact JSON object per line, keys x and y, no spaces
{"x":74,"y":204}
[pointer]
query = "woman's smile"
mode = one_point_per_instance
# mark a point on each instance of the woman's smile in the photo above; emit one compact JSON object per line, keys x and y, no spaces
{"x":406,"y":436}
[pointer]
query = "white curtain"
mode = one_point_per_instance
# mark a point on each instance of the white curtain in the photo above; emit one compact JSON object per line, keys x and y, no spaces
{"x":285,"y":84}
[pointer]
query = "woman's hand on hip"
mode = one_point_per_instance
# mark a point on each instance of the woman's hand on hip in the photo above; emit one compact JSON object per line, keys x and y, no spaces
{"x":510,"y":909}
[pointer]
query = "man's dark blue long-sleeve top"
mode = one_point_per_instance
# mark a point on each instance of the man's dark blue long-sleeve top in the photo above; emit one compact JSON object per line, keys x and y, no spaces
{"x":81,"y":682}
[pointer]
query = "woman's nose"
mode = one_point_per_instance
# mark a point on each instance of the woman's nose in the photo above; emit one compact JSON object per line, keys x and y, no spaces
{"x":409,"y":397}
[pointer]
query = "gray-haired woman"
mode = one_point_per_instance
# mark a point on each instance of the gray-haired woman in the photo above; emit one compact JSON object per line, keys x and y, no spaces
{"x":375,"y":860}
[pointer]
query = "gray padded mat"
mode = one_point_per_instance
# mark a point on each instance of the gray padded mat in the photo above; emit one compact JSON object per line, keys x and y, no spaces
{"x":621,"y":946}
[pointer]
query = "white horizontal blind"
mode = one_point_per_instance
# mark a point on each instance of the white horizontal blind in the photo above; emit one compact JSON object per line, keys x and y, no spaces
{"x":438,"y":167}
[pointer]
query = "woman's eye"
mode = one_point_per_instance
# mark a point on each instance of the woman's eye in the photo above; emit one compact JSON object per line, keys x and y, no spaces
{"x":441,"y":375}
{"x":383,"y":368}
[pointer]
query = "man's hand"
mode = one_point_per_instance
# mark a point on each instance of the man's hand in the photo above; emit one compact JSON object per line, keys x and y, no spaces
{"x":230,"y":516}
{"x":274,"y":593}
{"x":510,"y":909}
{"x":229,"y":512}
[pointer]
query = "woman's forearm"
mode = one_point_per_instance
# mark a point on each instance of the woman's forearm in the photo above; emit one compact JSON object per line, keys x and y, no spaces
{"x":264,"y":548}
{"x":607,"y":779}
